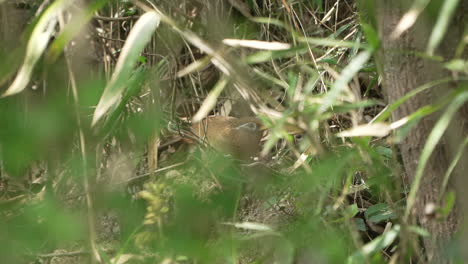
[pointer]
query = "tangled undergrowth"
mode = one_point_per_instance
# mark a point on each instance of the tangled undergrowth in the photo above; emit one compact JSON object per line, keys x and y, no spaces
{"x":310,"y":196}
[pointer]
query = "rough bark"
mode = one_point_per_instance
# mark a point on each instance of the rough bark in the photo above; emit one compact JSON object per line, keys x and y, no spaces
{"x":402,"y":72}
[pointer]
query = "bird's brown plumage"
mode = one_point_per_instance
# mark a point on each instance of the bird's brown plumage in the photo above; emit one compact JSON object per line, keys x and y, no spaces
{"x":239,"y":137}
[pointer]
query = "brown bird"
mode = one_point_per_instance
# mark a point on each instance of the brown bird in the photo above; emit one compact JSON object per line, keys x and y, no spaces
{"x":239,"y":137}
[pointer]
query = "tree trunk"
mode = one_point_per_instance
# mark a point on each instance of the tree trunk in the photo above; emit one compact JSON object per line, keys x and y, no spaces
{"x":403,"y":71}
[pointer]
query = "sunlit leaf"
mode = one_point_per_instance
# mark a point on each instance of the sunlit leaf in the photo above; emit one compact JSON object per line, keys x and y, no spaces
{"x":40,"y":37}
{"x":372,"y":130}
{"x":252,"y":226}
{"x":329,"y":42}
{"x":72,"y":29}
{"x":194,"y":66}
{"x":351,"y":211}
{"x":377,"y":244}
{"x":210,"y":100}
{"x":419,"y":231}
{"x":257,"y":44}
{"x":263,"y":56}
{"x":346,"y":76}
{"x":137,"y":39}
{"x":457,"y":65}
{"x":122,"y":259}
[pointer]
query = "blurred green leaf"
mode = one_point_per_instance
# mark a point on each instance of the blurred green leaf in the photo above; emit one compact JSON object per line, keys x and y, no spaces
{"x":330,"y":42}
{"x":449,"y":203}
{"x":461,"y":150}
{"x":384,"y":151}
{"x":264,"y":56}
{"x":377,"y":244}
{"x":252,"y":226}
{"x":385,"y":114}
{"x":419,"y":231}
{"x":445,"y":15}
{"x":431,"y":143}
{"x":351,"y":211}
{"x":360,"y":224}
{"x":410,"y":17}
{"x":210,"y":100}
{"x":40,"y":37}
{"x":339,"y":86}
{"x":73,"y":28}
{"x":367,"y":130}
{"x":371,"y":36}
{"x":457,"y":65}
{"x":379,"y":212}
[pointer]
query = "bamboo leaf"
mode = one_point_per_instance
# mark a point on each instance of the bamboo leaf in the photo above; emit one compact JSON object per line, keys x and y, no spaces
{"x":431,"y":143}
{"x":210,"y":100}
{"x":441,"y":25}
{"x":377,"y":244}
{"x":139,"y":36}
{"x":72,"y":29}
{"x":372,"y":130}
{"x":346,"y":76}
{"x":40,"y":37}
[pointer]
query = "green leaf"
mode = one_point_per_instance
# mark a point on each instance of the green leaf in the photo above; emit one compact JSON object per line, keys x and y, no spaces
{"x":441,"y":25}
{"x":330,"y":42}
{"x":385,"y":114}
{"x":346,"y":76}
{"x":139,"y":36}
{"x":457,"y":65}
{"x":419,"y":231}
{"x":371,"y":36}
{"x":210,"y":101}
{"x":384,"y":152}
{"x":73,"y":28}
{"x":361,"y":226}
{"x":430,"y":145}
{"x":453,"y":164}
{"x":379,"y":243}
{"x":350,"y":211}
{"x":40,"y":37}
{"x":267,"y":55}
{"x":379,"y":212}
{"x":367,"y":130}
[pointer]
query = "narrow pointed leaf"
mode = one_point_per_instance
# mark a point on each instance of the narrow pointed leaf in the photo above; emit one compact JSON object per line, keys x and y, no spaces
{"x":441,"y":25}
{"x":432,"y":141}
{"x":139,"y":36}
{"x":37,"y":44}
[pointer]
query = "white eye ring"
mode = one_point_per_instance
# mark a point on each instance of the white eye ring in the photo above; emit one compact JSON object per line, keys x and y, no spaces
{"x":252,"y":126}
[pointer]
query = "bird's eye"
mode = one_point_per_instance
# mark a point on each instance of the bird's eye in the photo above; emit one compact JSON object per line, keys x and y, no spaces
{"x":251,"y":126}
